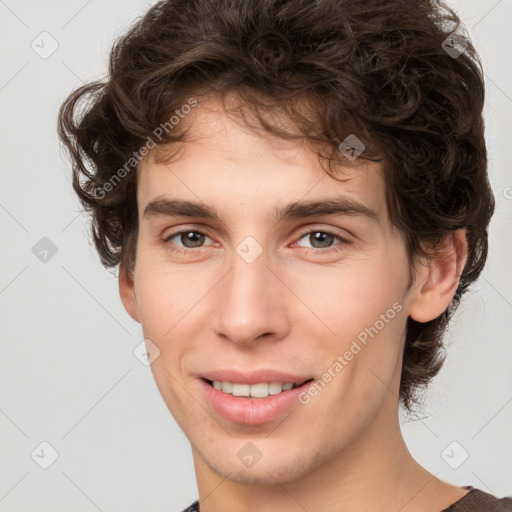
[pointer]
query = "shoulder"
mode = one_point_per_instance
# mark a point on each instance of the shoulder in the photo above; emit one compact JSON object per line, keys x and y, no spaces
{"x":477,"y":500}
{"x":193,"y":508}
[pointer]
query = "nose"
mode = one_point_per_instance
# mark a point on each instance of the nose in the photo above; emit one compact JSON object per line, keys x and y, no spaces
{"x":251,"y":303}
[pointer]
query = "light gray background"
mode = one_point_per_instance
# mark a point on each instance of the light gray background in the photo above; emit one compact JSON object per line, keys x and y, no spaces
{"x":68,"y":376}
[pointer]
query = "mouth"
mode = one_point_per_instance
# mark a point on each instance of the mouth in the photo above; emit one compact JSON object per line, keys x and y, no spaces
{"x":253,"y":404}
{"x":255,"y":391}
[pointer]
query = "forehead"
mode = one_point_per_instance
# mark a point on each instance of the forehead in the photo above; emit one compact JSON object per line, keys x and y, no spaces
{"x":228,"y":164}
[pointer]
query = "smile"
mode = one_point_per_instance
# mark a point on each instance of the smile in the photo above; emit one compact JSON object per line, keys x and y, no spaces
{"x":259,"y":390}
{"x":274,"y":401}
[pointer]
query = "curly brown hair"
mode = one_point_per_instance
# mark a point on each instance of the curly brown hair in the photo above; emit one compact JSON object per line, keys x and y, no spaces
{"x":397,"y":73}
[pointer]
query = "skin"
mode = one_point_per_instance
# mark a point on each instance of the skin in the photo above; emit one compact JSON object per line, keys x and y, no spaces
{"x":208,"y":308}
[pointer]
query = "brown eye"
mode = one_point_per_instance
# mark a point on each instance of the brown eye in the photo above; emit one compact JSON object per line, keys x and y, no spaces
{"x":187,"y":240}
{"x":191,"y":239}
{"x":321,"y":238}
{"x":322,"y":241}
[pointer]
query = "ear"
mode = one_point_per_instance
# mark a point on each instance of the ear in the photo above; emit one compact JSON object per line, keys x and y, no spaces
{"x":127,"y":292}
{"x":438,"y":281}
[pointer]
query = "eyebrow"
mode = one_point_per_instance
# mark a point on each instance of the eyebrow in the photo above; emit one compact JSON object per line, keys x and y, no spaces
{"x":298,"y":209}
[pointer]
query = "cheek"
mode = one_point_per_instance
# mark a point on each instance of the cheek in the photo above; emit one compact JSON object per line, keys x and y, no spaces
{"x":164,"y":294}
{"x":370,"y":372}
{"x":352,"y":295}
{"x":362,"y":321}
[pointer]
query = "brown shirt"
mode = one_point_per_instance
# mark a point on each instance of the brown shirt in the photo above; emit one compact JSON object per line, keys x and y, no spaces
{"x":479,"y":501}
{"x":474,"y":501}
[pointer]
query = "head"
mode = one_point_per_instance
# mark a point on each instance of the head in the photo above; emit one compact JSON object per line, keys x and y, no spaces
{"x":246,"y":108}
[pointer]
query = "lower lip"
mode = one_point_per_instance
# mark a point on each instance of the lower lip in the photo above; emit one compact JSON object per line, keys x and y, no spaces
{"x":251,"y":411}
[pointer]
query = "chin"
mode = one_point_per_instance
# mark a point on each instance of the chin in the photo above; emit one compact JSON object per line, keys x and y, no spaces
{"x":260,"y":474}
{"x":276,"y":468}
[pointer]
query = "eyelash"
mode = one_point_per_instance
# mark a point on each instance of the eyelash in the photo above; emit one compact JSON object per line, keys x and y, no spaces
{"x":329,"y":250}
{"x":343,"y":240}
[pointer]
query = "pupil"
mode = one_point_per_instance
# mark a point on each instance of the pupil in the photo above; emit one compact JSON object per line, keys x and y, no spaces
{"x":322,"y":238}
{"x":192,"y":237}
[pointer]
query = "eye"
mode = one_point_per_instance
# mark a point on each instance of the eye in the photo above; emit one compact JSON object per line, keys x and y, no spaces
{"x":189,"y":240}
{"x":321,"y":239}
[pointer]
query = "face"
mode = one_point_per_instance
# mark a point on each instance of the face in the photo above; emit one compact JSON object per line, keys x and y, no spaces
{"x":312,"y":293}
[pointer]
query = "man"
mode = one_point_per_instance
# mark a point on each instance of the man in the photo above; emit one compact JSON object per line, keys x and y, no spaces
{"x":296,"y":195}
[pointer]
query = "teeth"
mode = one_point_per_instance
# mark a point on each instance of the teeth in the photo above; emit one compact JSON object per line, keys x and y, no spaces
{"x":241,"y":389}
{"x":260,"y":390}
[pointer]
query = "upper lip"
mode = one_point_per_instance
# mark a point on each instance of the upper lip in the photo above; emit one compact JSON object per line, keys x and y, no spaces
{"x":254,"y":376}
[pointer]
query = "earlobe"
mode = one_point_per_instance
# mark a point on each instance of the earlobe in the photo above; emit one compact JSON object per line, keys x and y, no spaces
{"x":440,"y":278}
{"x":127,"y":293}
